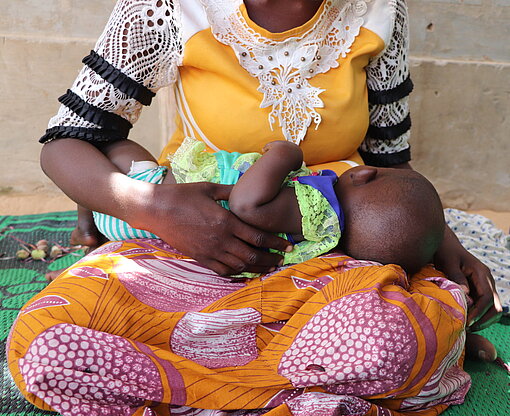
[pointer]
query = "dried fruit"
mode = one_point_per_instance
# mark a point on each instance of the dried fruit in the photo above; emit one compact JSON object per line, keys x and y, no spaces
{"x":42,"y":245}
{"x":55,"y":252}
{"x":38,"y":254}
{"x":22,"y":254}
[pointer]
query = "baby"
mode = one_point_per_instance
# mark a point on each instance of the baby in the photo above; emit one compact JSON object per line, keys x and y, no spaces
{"x":379,"y":214}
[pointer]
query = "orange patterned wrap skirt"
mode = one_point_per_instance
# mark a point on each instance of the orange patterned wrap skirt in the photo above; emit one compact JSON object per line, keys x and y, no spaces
{"x":135,"y":328}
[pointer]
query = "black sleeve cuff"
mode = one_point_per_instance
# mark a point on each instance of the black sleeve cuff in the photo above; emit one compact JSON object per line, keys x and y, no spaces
{"x":94,"y":136}
{"x":96,"y":115}
{"x":386,"y":159}
{"x":118,"y":79}
{"x":390,"y":96}
{"x":390,"y":132}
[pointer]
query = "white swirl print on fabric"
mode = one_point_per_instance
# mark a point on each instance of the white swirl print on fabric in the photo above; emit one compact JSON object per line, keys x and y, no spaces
{"x":316,"y":284}
{"x":356,"y":345}
{"x":322,"y":404}
{"x":106,"y":248}
{"x":192,"y":411}
{"x":217,"y":339}
{"x":448,"y":385}
{"x":45,"y":302}
{"x":284,"y":68}
{"x":143,"y":40}
{"x":82,"y":372}
{"x":172,"y":285}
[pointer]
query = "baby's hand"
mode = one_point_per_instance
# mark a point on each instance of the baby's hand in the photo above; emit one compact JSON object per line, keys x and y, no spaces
{"x":280,"y":144}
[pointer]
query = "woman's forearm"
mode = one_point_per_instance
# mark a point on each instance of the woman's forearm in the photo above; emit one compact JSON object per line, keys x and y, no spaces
{"x":84,"y":174}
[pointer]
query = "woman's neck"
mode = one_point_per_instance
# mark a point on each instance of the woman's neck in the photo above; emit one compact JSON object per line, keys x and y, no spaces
{"x":281,"y":15}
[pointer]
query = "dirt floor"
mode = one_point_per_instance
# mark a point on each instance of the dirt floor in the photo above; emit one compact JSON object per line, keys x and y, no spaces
{"x":21,"y":204}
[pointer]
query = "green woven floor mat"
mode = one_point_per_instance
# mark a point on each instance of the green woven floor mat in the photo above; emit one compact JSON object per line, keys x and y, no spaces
{"x":490,"y":392}
{"x":20,"y":281}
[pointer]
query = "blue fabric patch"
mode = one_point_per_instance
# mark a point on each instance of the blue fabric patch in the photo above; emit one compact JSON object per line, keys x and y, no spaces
{"x":325,"y":185}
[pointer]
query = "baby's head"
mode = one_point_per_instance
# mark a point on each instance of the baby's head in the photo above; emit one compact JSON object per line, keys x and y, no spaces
{"x":391,"y":216}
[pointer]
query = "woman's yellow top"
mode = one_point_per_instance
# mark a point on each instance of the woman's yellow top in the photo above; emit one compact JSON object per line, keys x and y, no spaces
{"x":337,"y":85}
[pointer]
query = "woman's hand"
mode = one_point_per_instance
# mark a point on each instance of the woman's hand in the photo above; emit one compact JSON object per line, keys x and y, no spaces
{"x":188,"y":217}
{"x":475,"y":278}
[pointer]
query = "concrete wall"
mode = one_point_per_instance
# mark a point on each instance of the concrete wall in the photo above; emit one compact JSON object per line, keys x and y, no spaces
{"x":42,"y":44}
{"x":461,"y":104}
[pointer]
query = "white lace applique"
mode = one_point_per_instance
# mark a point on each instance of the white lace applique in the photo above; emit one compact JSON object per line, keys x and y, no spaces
{"x":143,"y":40}
{"x":283,"y":68}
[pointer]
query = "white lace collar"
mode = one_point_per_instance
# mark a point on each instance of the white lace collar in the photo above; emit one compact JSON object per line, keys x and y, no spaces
{"x":283,"y":67}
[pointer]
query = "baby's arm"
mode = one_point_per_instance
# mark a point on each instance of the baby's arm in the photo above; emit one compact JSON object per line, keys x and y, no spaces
{"x":258,"y":197}
{"x":124,"y":152}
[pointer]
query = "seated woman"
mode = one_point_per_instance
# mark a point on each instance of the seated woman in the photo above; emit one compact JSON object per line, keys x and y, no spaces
{"x":137,"y":328}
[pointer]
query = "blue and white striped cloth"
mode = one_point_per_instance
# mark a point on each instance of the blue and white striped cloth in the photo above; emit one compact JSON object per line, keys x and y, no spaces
{"x":115,"y":229}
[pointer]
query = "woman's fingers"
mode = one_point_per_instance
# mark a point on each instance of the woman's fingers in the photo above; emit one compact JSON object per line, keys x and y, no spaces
{"x":450,"y":266}
{"x":219,"y":192}
{"x":254,"y":259}
{"x":252,"y":241}
{"x":249,"y":248}
{"x":455,"y":275}
{"x":234,"y":256}
{"x":260,"y":239}
{"x":491,"y":316}
{"x":487,"y":307}
{"x":217,"y":266}
{"x":232,"y":265}
{"x":474,"y":277}
{"x":479,"y":286}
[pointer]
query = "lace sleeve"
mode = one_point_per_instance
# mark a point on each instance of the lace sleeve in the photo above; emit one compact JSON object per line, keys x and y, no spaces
{"x":389,"y":85}
{"x":138,"y":53}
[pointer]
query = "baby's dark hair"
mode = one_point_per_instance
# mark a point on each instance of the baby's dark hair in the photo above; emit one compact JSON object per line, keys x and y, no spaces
{"x":405,"y":228}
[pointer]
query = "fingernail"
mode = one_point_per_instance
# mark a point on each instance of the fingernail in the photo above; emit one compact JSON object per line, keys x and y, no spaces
{"x":482,"y":355}
{"x":288,"y":249}
{"x":280,"y":263}
{"x":272,"y":269}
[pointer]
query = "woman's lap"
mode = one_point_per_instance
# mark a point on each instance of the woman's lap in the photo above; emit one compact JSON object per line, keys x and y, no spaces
{"x":134,"y":324}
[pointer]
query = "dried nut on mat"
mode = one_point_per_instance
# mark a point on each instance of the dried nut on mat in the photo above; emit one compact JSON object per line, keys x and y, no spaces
{"x":22,"y":254}
{"x":42,"y":245}
{"x":55,"y":252}
{"x":38,"y":254}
